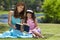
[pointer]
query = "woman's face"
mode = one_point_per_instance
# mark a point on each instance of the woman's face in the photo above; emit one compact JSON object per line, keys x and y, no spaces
{"x":29,"y":15}
{"x":20,"y":8}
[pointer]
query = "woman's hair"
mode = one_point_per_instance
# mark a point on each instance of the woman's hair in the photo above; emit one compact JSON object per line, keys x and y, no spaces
{"x":32,"y":16}
{"x":21,"y":14}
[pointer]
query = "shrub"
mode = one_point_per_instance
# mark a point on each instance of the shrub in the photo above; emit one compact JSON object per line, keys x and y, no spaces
{"x":52,"y":10}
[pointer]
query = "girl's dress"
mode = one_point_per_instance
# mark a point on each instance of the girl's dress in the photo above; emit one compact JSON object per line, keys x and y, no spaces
{"x":32,"y":26}
{"x":13,"y":33}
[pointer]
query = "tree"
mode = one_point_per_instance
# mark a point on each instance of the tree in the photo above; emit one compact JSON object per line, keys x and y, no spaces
{"x":30,"y":4}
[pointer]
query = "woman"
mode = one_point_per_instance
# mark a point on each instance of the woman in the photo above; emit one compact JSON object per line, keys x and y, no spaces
{"x":15,"y":17}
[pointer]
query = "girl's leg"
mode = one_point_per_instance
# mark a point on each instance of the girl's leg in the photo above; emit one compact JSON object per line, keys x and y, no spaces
{"x":37,"y":32}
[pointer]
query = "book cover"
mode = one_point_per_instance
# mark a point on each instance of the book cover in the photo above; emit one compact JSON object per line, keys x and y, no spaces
{"x":25,"y":27}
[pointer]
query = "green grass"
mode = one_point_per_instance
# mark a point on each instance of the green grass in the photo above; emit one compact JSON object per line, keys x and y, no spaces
{"x":51,"y":31}
{"x":3,"y":12}
{"x":6,"y":12}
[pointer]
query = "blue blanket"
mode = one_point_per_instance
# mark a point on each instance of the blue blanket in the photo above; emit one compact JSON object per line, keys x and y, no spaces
{"x":15,"y":34}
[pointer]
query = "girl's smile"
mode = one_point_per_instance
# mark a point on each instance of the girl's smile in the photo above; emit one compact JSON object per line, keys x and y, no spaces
{"x":29,"y":15}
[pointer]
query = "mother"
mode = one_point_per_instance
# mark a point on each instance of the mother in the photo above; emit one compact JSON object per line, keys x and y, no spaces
{"x":17,"y":15}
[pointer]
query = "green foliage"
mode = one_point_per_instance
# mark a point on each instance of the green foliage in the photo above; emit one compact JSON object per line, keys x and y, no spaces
{"x":8,"y":4}
{"x":52,"y":10}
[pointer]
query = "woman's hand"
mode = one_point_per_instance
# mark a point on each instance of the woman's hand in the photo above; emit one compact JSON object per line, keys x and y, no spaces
{"x":14,"y":27}
{"x":9,"y":19}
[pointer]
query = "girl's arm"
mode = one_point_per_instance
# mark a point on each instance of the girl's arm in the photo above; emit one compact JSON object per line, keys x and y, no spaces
{"x":36,"y":23}
{"x":23,"y":22}
{"x":9,"y":19}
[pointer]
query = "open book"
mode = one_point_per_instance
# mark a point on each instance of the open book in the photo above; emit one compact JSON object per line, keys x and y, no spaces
{"x":25,"y":27}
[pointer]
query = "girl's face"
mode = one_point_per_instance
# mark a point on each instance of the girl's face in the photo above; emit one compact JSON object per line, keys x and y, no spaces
{"x":29,"y":15}
{"x":20,"y":8}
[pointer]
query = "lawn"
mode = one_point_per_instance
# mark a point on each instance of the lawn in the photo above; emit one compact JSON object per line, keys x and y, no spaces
{"x":6,"y":12}
{"x":50,"y":31}
{"x":3,"y":12}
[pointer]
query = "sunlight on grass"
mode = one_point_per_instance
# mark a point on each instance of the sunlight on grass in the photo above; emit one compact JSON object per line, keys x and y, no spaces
{"x":3,"y":12}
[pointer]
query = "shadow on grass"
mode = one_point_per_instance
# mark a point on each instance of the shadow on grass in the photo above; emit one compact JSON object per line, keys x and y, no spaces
{"x":48,"y":35}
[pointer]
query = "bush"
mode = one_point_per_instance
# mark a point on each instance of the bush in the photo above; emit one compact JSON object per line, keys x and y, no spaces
{"x":52,"y":10}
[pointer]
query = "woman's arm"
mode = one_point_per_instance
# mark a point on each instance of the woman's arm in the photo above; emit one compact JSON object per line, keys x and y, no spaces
{"x":9,"y":19}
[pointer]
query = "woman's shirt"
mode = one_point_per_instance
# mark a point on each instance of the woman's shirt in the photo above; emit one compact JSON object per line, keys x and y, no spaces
{"x":15,"y":20}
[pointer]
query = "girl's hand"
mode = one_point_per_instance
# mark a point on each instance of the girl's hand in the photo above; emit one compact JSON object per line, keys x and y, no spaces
{"x":36,"y":27}
{"x":21,"y":24}
{"x":25,"y":24}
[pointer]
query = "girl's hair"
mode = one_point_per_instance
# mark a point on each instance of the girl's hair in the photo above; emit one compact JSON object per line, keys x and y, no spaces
{"x":32,"y":15}
{"x":21,"y":14}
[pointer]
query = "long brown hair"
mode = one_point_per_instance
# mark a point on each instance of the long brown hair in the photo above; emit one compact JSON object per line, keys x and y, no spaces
{"x":21,"y":14}
{"x":33,"y":16}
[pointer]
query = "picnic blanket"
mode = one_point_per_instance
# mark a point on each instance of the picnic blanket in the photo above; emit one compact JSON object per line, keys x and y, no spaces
{"x":15,"y":34}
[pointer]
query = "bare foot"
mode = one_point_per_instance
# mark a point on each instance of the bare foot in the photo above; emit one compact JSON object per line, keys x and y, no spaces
{"x":43,"y":37}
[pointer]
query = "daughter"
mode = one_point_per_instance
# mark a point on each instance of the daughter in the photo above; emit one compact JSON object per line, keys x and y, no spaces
{"x":31,"y":21}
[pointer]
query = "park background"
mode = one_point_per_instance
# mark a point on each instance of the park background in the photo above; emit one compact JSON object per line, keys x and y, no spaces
{"x":47,"y":13}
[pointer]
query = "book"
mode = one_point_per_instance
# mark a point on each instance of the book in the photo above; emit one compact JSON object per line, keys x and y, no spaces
{"x":25,"y":27}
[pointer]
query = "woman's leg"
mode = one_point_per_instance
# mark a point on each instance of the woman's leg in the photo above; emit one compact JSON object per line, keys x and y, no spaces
{"x":21,"y":28}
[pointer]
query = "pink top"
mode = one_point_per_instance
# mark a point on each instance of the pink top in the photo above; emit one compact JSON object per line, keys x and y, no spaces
{"x":31,"y":23}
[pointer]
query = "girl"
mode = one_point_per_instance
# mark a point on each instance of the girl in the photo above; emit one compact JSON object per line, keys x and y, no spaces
{"x":30,"y":20}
